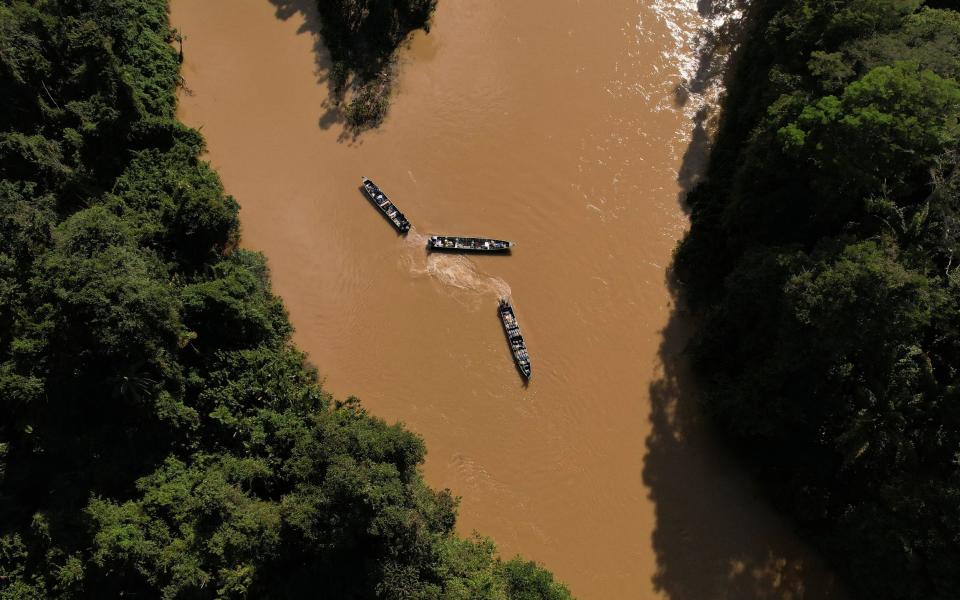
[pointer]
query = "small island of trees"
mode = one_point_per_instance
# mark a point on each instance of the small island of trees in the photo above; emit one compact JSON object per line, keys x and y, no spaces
{"x":363,"y":36}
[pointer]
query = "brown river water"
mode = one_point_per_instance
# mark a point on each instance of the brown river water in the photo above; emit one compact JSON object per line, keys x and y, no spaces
{"x":555,"y":124}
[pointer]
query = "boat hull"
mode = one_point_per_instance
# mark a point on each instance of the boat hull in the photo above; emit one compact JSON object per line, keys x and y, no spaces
{"x":387,"y":208}
{"x":518,"y":346}
{"x":445,"y":243}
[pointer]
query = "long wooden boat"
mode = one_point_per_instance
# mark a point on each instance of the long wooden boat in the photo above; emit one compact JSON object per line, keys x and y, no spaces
{"x":517,"y":345}
{"x":388,"y":208}
{"x":467,"y":244}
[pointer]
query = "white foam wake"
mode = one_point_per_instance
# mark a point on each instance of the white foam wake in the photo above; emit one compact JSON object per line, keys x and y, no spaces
{"x":698,"y":48}
{"x":453,"y":270}
{"x":461,"y":273}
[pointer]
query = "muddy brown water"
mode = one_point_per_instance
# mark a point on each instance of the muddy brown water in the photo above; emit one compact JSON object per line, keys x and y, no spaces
{"x":552,"y":123}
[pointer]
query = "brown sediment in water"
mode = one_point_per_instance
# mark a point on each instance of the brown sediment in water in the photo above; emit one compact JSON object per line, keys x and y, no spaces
{"x":551,"y":123}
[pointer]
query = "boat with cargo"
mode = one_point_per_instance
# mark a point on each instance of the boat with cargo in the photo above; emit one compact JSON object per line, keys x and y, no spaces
{"x":514,"y":337}
{"x":467,"y":244}
{"x":388,"y":208}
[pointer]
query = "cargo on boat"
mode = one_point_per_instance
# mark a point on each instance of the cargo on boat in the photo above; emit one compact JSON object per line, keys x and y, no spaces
{"x":387,"y":207}
{"x":517,"y":345}
{"x":467,"y":244}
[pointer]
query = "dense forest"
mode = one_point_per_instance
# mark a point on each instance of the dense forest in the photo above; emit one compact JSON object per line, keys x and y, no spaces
{"x":362,"y":36}
{"x":160,"y":437}
{"x":823,"y":268}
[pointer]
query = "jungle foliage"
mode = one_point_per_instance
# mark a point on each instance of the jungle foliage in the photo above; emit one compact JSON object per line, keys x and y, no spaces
{"x":822,"y":267}
{"x":160,"y":437}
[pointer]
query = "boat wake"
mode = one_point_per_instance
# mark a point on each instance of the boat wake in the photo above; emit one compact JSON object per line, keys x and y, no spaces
{"x":459,"y":272}
{"x":455,"y":271}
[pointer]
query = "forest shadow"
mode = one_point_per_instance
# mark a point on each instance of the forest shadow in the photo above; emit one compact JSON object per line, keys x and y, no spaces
{"x":714,"y":536}
{"x":331,"y":114}
{"x":696,"y":156}
{"x":715,"y":45}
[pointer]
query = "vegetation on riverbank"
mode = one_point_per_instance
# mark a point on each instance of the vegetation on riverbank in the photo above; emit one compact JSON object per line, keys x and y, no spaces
{"x":160,"y":436}
{"x":363,"y":36}
{"x":823,"y":265}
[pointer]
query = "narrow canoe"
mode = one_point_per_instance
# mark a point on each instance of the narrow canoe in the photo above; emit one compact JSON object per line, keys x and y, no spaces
{"x":387,"y":207}
{"x":517,"y":345}
{"x":467,"y":244}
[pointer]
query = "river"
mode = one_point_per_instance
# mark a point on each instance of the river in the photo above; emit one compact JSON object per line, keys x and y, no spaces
{"x":552,"y":123}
